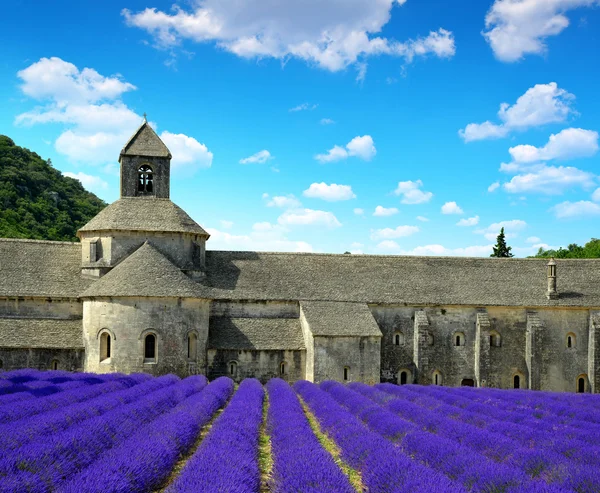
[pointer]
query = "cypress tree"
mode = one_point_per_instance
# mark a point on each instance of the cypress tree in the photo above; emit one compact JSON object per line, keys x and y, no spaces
{"x":501,"y":249}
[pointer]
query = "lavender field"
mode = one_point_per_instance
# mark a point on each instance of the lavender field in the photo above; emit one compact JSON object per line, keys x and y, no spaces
{"x":78,"y":432}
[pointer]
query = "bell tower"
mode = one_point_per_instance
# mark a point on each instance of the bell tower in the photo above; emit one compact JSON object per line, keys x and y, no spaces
{"x":145,"y":165}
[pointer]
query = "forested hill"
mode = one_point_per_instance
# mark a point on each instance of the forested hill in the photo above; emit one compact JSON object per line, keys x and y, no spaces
{"x":37,"y":201}
{"x":590,"y":250}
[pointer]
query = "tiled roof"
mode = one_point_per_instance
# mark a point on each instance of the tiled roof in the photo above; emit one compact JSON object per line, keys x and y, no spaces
{"x":145,"y":142}
{"x":40,"y":333}
{"x":329,"y":318}
{"x":144,"y":214}
{"x":255,"y":333}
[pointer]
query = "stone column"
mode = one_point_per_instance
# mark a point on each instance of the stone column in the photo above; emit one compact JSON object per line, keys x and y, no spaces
{"x":533,"y":350}
{"x":594,"y":352}
{"x":421,"y":332}
{"x":482,"y":348}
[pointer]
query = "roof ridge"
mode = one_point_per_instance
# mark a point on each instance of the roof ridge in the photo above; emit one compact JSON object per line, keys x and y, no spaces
{"x":51,"y":242}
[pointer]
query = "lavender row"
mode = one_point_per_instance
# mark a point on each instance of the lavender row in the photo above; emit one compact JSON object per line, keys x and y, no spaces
{"x":18,"y":433}
{"x":37,"y":389}
{"x":526,"y":449}
{"x":300,"y":463}
{"x":227,"y":459}
{"x":144,"y":461}
{"x":42,"y":465}
{"x":384,"y":467}
{"x":462,"y":464}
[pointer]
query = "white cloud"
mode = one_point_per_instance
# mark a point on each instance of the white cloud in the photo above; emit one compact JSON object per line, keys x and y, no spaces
{"x":226,"y":224}
{"x":97,"y":122}
{"x":383,"y":211}
{"x":541,"y":104}
{"x":596,"y":195}
{"x":511,"y":228}
{"x":471,"y":221}
{"x":331,"y":193}
{"x":411,"y":192}
{"x":422,"y":218}
{"x":398,"y":232}
{"x":362,"y":147}
{"x":493,"y":186}
{"x":569,"y":143}
{"x":282,"y":201}
{"x":331,"y":34}
{"x":519,"y":27}
{"x":358,"y":211}
{"x":583,"y":208}
{"x":306,"y":217}
{"x":304,"y":107}
{"x":388,"y":246}
{"x":533,"y":239}
{"x":186,"y":151}
{"x":435,"y":250}
{"x":260,"y":157}
{"x":91,"y":183}
{"x":451,"y":208}
{"x":550,"y":180}
{"x":264,"y":237}
{"x":326,"y":121}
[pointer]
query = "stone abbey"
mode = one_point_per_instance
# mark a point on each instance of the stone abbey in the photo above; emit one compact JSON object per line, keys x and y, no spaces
{"x":140,"y":292}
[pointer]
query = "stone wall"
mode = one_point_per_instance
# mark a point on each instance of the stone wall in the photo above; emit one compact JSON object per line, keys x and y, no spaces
{"x":42,"y":359}
{"x":161,"y":168}
{"x":360,"y":355}
{"x":262,"y":365}
{"x":256,"y":309}
{"x":129,"y":320}
{"x":40,"y":308}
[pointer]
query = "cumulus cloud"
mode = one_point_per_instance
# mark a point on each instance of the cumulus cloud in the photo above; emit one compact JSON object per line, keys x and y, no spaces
{"x":569,"y":143}
{"x":260,"y":157}
{"x":398,"y":232}
{"x":264,"y":237}
{"x":596,"y":195}
{"x":541,"y":104}
{"x":422,"y":218}
{"x":411,"y":192}
{"x":519,"y":27}
{"x":511,"y":229}
{"x":583,"y":208}
{"x":361,"y":147}
{"x":308,"y":217}
{"x":282,"y":201}
{"x":471,"y":221}
{"x":97,"y":123}
{"x":550,"y":180}
{"x":451,"y":208}
{"x":493,"y":186}
{"x":435,"y":250}
{"x":385,"y":211}
{"x":358,"y":211}
{"x":331,"y":193}
{"x":226,"y":224}
{"x":533,"y":239}
{"x":89,"y":182}
{"x":331,"y":34}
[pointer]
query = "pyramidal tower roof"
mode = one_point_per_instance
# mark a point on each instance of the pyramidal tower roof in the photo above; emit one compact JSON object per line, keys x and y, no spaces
{"x":145,"y":142}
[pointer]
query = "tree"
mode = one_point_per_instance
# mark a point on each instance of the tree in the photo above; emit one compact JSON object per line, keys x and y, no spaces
{"x":501,"y":249}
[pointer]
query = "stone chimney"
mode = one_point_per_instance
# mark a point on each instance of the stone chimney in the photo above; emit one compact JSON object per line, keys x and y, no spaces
{"x":552,"y":293}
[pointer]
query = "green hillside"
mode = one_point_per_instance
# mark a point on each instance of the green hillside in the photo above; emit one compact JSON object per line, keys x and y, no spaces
{"x":590,"y":250}
{"x":37,"y":201}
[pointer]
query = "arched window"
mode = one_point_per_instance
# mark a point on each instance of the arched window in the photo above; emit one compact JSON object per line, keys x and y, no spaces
{"x":145,"y":179}
{"x":459,"y":339}
{"x":404,"y":377}
{"x":1,"y":364}
{"x":233,"y":369}
{"x":150,"y":348}
{"x":581,"y":384}
{"x":54,"y":364}
{"x":430,"y":340}
{"x":571,"y":340}
{"x":467,"y":382}
{"x":282,"y":368}
{"x":495,"y":339}
{"x":436,"y":378}
{"x":105,"y":347}
{"x":517,"y":382}
{"x":399,"y":339}
{"x":192,"y":344}
{"x":346,"y":373}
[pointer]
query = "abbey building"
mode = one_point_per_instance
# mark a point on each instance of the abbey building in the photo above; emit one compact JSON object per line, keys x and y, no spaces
{"x":141,"y":292}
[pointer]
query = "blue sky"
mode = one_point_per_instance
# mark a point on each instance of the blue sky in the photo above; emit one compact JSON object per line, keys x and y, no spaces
{"x":374,"y":126}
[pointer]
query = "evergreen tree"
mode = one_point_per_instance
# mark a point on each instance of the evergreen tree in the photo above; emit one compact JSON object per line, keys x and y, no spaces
{"x":501,"y":249}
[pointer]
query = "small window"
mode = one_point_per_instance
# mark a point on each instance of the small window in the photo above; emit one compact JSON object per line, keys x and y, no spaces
{"x":571,"y":340}
{"x":346,"y":374}
{"x":93,"y":251}
{"x":192,"y":344}
{"x":1,"y":364}
{"x":495,"y":339}
{"x":430,"y":340}
{"x":403,"y":377}
{"x":581,"y":384}
{"x":467,"y":382}
{"x":145,"y":179}
{"x":436,"y":378}
{"x":105,"y":347}
{"x":54,"y":364}
{"x":233,"y":369}
{"x":282,"y":368}
{"x":459,"y":339}
{"x":517,"y":382}
{"x":399,"y":339}
{"x":150,"y":348}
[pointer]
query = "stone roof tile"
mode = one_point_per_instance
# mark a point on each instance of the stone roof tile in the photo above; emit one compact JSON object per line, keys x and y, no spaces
{"x":145,"y":142}
{"x":255,"y":333}
{"x":40,"y":333}
{"x":327,"y":318}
